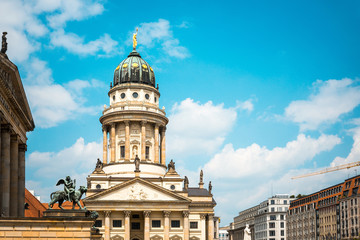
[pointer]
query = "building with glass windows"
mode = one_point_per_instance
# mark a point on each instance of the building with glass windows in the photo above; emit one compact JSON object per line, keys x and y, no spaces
{"x":267,"y":220}
{"x":331,"y":213}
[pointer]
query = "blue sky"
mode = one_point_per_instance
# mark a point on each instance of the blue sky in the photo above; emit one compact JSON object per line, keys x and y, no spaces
{"x":256,"y":91}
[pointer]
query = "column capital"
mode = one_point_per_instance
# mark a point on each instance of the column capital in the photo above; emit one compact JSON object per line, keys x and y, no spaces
{"x":186,"y":214}
{"x":112,"y":124}
{"x":157,"y":125}
{"x":163,"y":129}
{"x":14,"y":137}
{"x":211,"y":215}
{"x":126,"y":122}
{"x":107,"y":213}
{"x":147,"y":214}
{"x":143,"y":122}
{"x":104,"y":128}
{"x":22,"y":147}
{"x":202,"y":216}
{"x":6,"y":128}
{"x":127,"y":213}
{"x":167,"y":213}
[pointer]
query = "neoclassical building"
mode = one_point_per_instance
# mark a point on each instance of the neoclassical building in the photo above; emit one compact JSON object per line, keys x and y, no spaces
{"x":137,"y":195}
{"x":15,"y":120}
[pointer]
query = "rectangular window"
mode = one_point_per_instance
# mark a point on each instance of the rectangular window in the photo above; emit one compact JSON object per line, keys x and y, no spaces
{"x":272,"y":202}
{"x":122,"y":151}
{"x":136,"y":216}
{"x":272,"y":217}
{"x":193,"y":225}
{"x":271,"y":233}
{"x":281,"y":217}
{"x":282,"y":224}
{"x":272,"y":209}
{"x":156,"y":223}
{"x":98,"y":223}
{"x":135,"y":225}
{"x":271,"y":225}
{"x":147,"y":152}
{"x":282,"y":233}
{"x":285,"y":201}
{"x":117,"y":223}
{"x":175,"y":223}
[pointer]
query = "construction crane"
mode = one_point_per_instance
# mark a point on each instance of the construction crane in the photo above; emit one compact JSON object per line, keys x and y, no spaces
{"x":330,"y":169}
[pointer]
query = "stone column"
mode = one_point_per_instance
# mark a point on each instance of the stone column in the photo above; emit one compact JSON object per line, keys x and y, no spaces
{"x":210,"y":226}
{"x":163,"y":154}
{"x":21,"y":180}
{"x":5,"y":169}
{"x":203,"y":226}
{"x":127,"y":141}
{"x":143,"y":140}
{"x":166,"y":224}
{"x":186,"y":225}
{"x":147,"y":225}
{"x":14,"y":174}
{"x":156,"y":145}
{"x":1,"y":192}
{"x":105,"y":145}
{"x":112,"y":143}
{"x":127,"y":224}
{"x":107,"y":225}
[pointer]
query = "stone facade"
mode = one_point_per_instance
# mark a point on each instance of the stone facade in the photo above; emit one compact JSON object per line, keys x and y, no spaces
{"x":349,"y":210}
{"x":331,"y":213}
{"x":47,"y":228}
{"x":15,"y":121}
{"x":138,"y":196}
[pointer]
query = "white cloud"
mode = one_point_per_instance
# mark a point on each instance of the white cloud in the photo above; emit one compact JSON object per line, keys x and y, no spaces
{"x":172,"y":48}
{"x":246,"y":105}
{"x":103,"y":46}
{"x":76,"y":161}
{"x":159,"y":32}
{"x":332,"y":99}
{"x":53,"y":103}
{"x":354,"y":155}
{"x":70,"y":10}
{"x":257,"y":160}
{"x":196,"y":128}
{"x":184,"y":24}
{"x":26,"y":27}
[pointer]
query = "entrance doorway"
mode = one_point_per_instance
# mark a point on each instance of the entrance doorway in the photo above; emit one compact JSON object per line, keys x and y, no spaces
{"x":136,"y":226}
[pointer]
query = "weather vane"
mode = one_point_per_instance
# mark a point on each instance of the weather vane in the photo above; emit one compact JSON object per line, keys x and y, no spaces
{"x":134,"y":39}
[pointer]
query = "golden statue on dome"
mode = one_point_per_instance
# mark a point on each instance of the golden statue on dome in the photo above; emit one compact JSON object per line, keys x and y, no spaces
{"x":135,"y":40}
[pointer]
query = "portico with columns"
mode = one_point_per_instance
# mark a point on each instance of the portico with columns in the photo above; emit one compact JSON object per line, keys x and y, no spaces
{"x":137,"y":195}
{"x":15,"y":120}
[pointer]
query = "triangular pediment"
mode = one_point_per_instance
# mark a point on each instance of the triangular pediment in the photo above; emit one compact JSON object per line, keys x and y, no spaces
{"x":138,"y":190}
{"x":10,"y":78}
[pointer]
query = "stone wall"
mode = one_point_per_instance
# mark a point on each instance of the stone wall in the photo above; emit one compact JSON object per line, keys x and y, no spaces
{"x":46,"y":228}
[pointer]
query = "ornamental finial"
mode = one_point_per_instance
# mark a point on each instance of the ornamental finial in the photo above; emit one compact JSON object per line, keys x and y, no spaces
{"x":4,"y":43}
{"x":135,"y":40}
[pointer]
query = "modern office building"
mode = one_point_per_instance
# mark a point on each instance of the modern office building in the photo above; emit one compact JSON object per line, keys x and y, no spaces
{"x":267,"y":221}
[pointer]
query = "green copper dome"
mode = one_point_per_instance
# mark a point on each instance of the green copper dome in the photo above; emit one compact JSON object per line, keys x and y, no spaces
{"x":134,"y":69}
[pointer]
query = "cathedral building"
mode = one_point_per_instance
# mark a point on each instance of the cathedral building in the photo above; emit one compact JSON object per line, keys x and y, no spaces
{"x":137,"y":193}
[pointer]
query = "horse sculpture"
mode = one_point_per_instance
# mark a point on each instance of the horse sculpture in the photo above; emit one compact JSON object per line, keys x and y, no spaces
{"x":61,"y":196}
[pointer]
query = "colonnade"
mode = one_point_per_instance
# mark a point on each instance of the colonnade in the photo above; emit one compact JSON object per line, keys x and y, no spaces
{"x":159,"y":151}
{"x":206,"y":225}
{"x":12,"y":169}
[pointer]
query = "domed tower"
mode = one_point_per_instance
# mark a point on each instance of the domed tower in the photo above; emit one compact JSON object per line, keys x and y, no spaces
{"x":136,"y":195}
{"x":133,"y":125}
